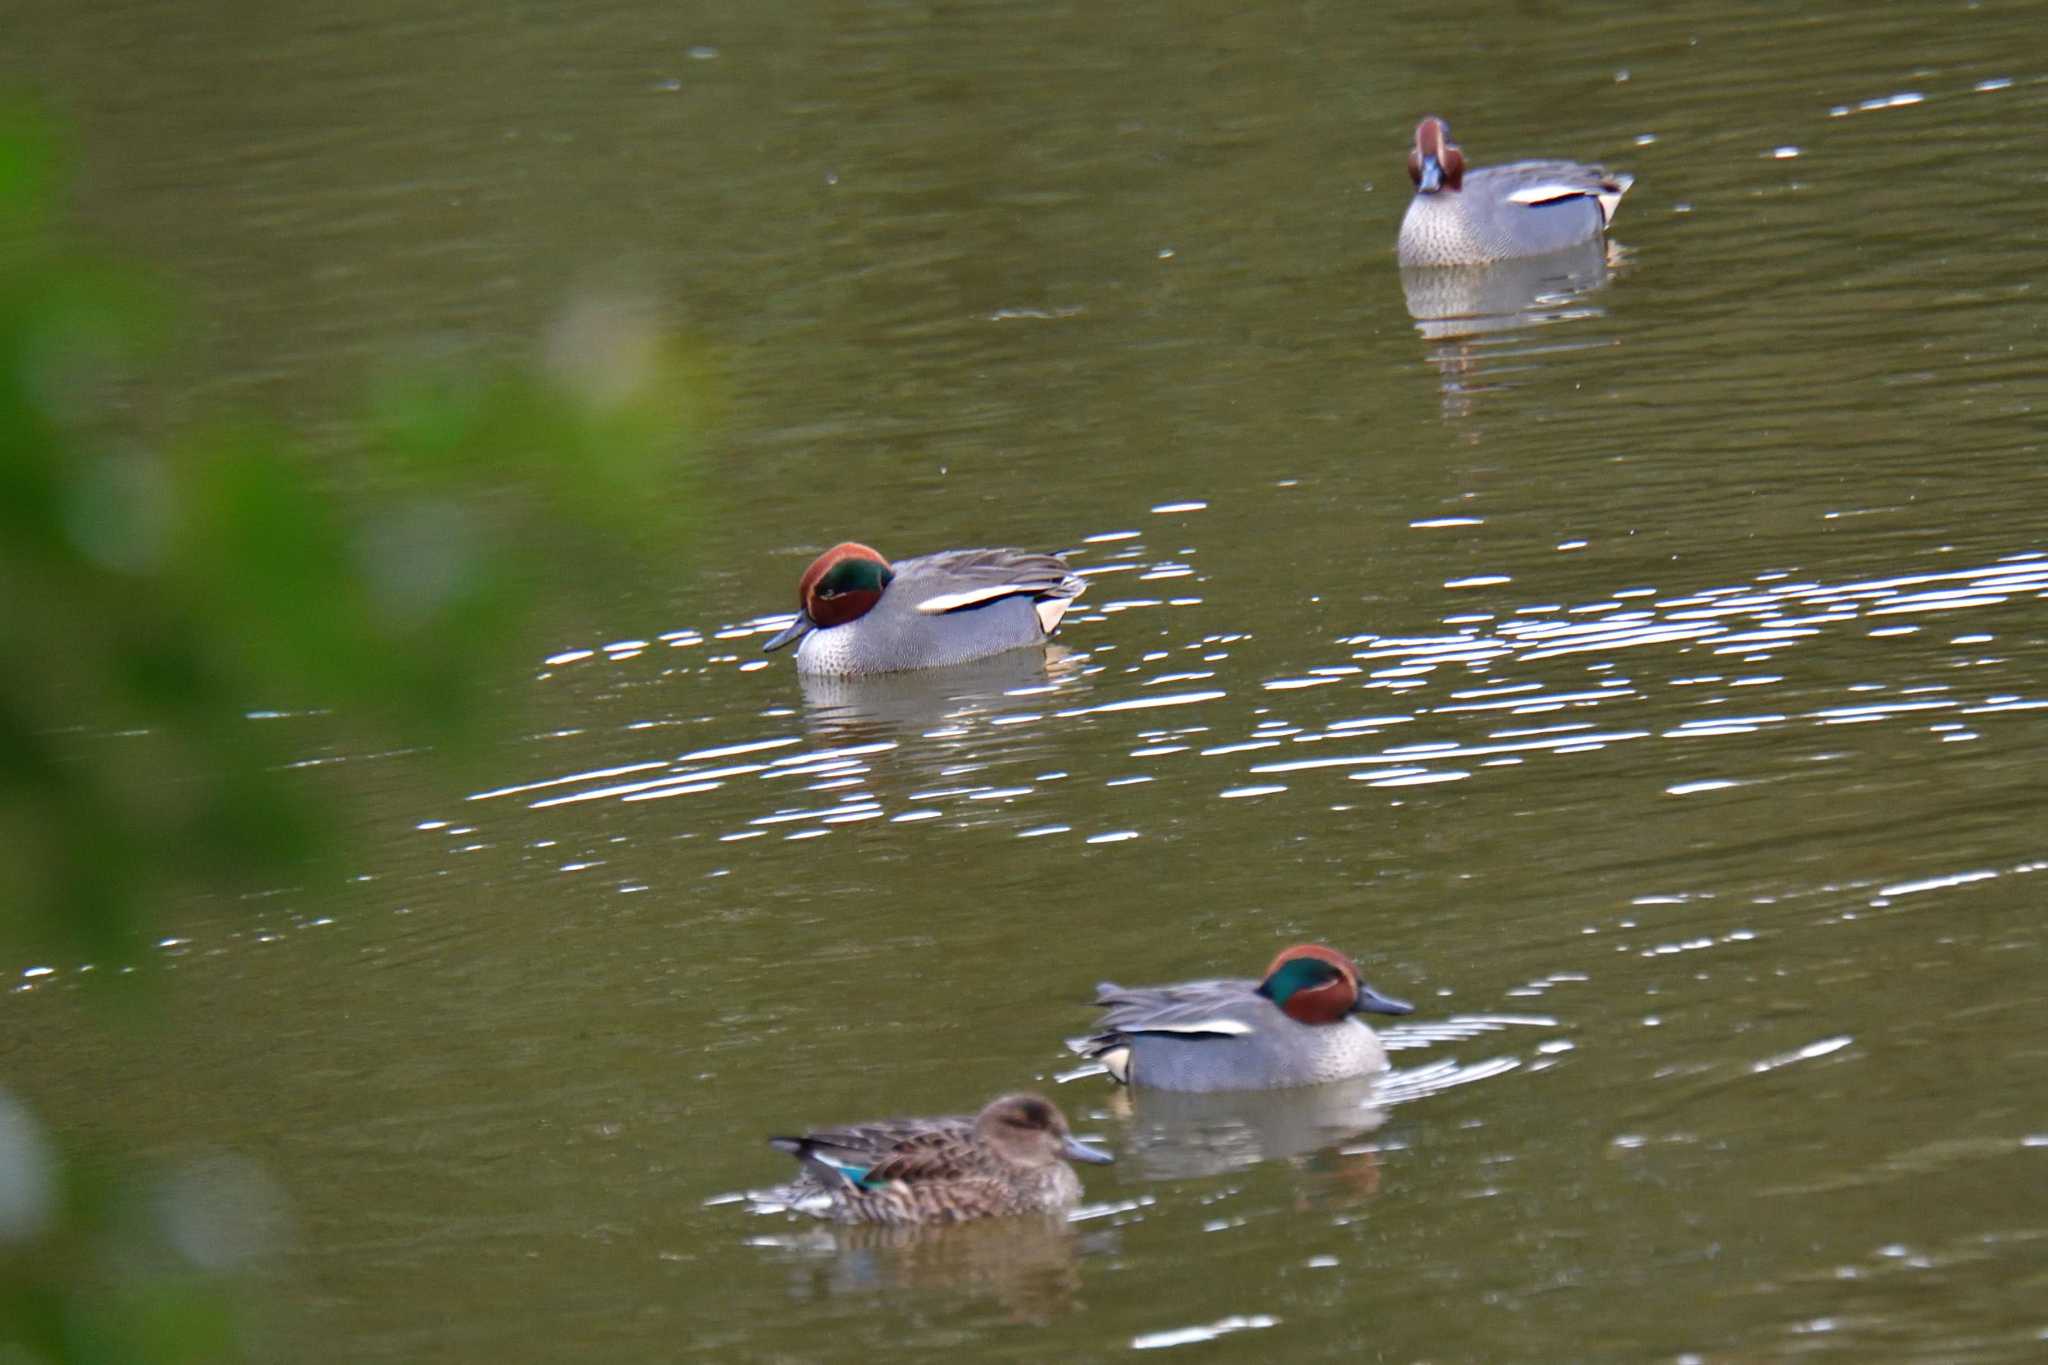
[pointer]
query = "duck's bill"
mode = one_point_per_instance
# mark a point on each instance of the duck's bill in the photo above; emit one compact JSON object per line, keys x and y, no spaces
{"x":1073,"y":1149}
{"x":790,"y":634}
{"x":1371,"y":1001}
{"x":1432,"y":175}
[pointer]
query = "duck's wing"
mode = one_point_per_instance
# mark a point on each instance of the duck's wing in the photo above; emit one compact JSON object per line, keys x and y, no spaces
{"x":869,"y":1155}
{"x":1536,"y":183}
{"x":960,"y":580}
{"x":1190,"y":1009}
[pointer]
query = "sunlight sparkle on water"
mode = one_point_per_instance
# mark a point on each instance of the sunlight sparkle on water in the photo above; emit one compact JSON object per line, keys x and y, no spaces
{"x":1189,"y":1336}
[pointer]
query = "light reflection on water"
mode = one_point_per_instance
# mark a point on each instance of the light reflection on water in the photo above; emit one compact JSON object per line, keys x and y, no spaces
{"x":1453,"y":704}
{"x":1030,"y":1267}
{"x":1490,"y":324}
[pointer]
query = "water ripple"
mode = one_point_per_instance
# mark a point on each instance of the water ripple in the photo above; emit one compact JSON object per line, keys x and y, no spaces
{"x":1483,"y":686}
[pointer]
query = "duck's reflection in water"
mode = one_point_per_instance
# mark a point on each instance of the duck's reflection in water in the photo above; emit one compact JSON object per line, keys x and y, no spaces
{"x":1466,"y":310}
{"x":1029,"y":1265}
{"x":1176,"y":1136}
{"x":963,"y":698}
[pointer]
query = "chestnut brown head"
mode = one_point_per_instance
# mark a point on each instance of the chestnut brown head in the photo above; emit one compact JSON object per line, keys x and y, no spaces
{"x":1435,"y":163}
{"x":1313,"y":984}
{"x":843,"y":584}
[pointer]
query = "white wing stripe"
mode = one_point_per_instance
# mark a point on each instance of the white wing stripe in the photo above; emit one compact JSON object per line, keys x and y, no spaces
{"x":953,"y":601}
{"x":1546,"y":194}
{"x":1231,"y":1026}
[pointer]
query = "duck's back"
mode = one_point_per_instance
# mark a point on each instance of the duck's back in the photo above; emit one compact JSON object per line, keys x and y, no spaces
{"x":925,"y":1171}
{"x":1523,"y":208}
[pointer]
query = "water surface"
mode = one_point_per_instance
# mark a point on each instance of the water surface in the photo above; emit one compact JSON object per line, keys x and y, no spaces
{"x":1653,"y":689}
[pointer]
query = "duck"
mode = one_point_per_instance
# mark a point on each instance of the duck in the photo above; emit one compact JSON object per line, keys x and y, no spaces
{"x":857,"y":613}
{"x":1525,"y":208}
{"x":1296,"y":1026}
{"x":1011,"y":1158}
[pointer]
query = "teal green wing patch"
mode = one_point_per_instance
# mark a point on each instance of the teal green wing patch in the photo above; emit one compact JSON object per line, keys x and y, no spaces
{"x":873,"y":1156}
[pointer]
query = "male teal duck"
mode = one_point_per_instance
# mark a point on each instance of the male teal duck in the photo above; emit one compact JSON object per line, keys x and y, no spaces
{"x":1297,"y":1026}
{"x":1525,"y":208}
{"x":1010,"y":1158}
{"x":858,"y":613}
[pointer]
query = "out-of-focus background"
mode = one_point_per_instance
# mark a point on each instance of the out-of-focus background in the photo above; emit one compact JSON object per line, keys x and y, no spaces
{"x":1643,"y":670}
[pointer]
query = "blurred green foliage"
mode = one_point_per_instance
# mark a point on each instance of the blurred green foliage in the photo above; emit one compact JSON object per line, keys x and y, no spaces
{"x":161,"y":596}
{"x":99,"y":1280}
{"x":157,"y":595}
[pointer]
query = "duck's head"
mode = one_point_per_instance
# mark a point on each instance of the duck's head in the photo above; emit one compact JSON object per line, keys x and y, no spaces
{"x":1029,"y":1130}
{"x":1436,"y":163}
{"x":842,"y":584}
{"x":1313,"y":984}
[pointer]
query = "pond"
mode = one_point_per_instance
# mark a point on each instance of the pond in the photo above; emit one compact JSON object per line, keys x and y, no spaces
{"x":1645,"y":672}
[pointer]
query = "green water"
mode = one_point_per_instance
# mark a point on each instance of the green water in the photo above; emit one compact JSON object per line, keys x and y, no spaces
{"x":1664,"y":679}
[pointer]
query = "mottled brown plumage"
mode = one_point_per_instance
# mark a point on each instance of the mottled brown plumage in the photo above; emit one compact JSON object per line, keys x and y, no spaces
{"x":1010,"y":1158}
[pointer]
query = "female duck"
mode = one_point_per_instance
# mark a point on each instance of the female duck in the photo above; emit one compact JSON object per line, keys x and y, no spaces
{"x":1010,"y":1158}
{"x":1525,"y":208}
{"x":858,"y":613}
{"x":1296,"y":1027}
